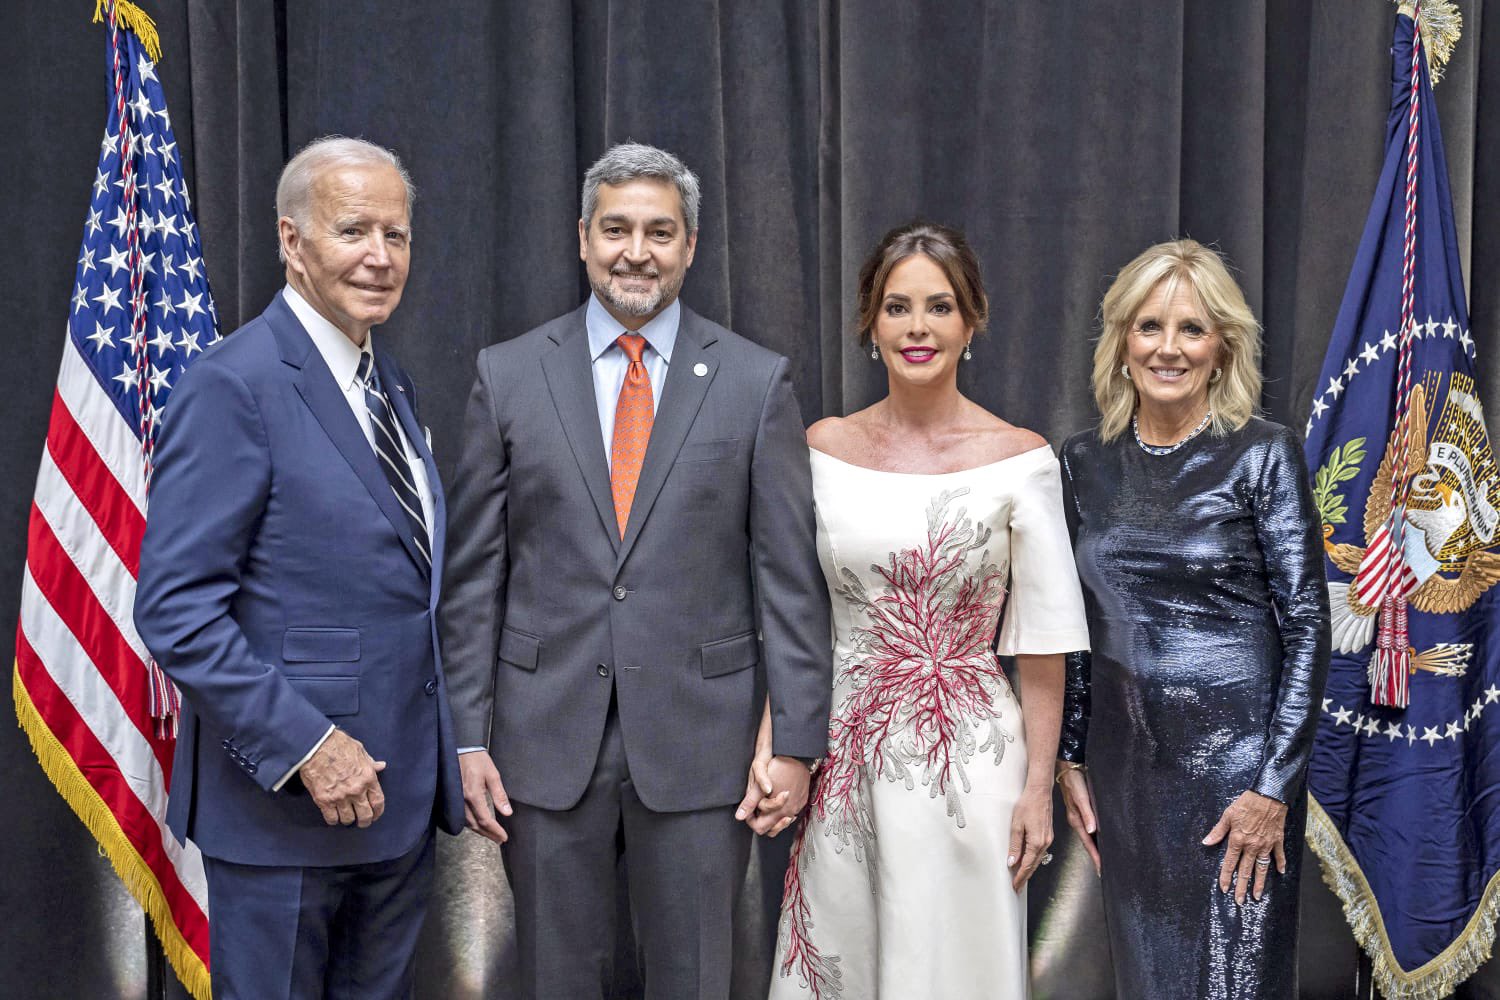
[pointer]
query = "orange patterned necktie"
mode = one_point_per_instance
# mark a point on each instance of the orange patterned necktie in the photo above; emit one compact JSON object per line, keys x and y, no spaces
{"x":633,"y":415}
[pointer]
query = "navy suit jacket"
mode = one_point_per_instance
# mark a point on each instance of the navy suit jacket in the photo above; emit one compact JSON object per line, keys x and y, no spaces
{"x":280,"y":588}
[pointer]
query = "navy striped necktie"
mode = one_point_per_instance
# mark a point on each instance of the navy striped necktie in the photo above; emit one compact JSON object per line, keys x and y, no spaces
{"x":392,"y":455}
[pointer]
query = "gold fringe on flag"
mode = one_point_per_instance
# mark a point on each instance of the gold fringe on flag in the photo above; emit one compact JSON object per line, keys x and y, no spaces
{"x":1439,"y":977}
{"x":134,"y":19}
{"x":102,"y":823}
{"x":1441,"y":25}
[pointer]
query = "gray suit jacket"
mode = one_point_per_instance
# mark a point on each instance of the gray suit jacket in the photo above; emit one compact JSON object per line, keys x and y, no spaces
{"x":546,"y":611}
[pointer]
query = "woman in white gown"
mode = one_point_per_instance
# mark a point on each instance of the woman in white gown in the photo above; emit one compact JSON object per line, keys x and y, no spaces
{"x":937,"y":522}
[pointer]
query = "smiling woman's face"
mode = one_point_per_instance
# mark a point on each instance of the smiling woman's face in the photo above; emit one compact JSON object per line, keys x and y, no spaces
{"x":1171,"y":352}
{"x":919,"y":330}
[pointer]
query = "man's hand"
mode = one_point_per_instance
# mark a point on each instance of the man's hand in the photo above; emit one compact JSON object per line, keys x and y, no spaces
{"x":789,"y":779}
{"x":776,"y":787}
{"x":341,"y":778}
{"x":484,"y":795}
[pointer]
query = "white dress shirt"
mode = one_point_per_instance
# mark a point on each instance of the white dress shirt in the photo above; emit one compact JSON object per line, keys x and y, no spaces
{"x":611,"y":362}
{"x":342,"y":358}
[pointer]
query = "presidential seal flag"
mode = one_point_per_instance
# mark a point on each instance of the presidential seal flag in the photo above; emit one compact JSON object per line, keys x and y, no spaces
{"x":1403,"y":813}
{"x":100,"y":715}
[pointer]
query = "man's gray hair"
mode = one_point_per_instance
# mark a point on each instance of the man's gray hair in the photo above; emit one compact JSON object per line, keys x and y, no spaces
{"x":294,"y":189}
{"x":633,"y":161}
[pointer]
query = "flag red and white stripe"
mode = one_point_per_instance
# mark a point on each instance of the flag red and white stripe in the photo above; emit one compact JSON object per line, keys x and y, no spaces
{"x":81,"y":679}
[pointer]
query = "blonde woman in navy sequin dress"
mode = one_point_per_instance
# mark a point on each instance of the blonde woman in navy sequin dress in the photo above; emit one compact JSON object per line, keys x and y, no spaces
{"x":941,"y":534}
{"x":1187,"y":731}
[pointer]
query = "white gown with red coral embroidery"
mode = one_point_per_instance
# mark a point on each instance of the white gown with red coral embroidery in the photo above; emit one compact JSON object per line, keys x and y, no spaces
{"x":898,"y":886}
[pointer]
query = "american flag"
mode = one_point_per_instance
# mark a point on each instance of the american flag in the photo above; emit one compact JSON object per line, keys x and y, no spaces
{"x":100,"y":715}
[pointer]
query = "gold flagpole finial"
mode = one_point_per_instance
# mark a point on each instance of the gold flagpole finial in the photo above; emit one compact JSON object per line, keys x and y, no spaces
{"x":1442,"y":23}
{"x":134,"y":19}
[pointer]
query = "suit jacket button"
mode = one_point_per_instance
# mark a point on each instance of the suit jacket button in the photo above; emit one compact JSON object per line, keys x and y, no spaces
{"x":603,"y":669}
{"x":250,"y":766}
{"x":431,"y":686}
{"x":620,"y":593}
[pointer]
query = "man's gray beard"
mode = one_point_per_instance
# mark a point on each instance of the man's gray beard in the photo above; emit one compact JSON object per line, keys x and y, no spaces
{"x":637,"y":303}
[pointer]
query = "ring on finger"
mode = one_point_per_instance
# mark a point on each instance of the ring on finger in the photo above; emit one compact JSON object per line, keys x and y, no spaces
{"x":1264,"y":861}
{"x":1046,"y":859}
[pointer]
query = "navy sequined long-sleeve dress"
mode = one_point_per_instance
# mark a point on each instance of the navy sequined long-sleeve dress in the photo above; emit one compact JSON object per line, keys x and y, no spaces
{"x":1208,"y":617}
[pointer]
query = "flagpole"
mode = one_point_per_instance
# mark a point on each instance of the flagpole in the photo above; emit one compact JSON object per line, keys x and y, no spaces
{"x":156,"y":961}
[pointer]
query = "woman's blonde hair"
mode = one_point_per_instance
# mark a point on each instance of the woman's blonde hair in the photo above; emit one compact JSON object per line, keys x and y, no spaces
{"x":1235,"y":395}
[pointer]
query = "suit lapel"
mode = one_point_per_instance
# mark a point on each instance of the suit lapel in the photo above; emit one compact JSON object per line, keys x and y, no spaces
{"x":396,"y":392}
{"x":323,"y":397}
{"x":681,"y":397}
{"x":570,"y":379}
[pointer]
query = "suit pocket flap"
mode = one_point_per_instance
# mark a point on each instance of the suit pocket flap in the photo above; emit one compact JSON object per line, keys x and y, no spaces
{"x":726,"y":656}
{"x":708,"y":451}
{"x":519,"y":649}
{"x":320,"y":645}
{"x":329,"y":695}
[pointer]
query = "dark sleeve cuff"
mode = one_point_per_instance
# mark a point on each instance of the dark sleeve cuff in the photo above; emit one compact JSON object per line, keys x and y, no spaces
{"x":1074,"y":736}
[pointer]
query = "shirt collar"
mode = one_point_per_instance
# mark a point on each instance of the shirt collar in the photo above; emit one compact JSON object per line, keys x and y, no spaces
{"x":660,"y":332}
{"x":338,"y":351}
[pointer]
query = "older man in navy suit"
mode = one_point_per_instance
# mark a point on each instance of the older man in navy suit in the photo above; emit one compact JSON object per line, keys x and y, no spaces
{"x":289,"y":578}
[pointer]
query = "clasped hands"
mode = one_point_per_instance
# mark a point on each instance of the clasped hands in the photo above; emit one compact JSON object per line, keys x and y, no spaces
{"x":776,"y":788}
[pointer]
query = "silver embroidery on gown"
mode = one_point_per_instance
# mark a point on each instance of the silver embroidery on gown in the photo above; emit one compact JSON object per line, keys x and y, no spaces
{"x":898,"y":885}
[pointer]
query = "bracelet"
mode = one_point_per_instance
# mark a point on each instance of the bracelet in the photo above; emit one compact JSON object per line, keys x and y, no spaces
{"x":1069,"y":766}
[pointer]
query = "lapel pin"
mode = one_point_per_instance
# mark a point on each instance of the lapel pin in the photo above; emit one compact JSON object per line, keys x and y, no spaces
{"x":700,"y":369}
{"x":400,"y":387}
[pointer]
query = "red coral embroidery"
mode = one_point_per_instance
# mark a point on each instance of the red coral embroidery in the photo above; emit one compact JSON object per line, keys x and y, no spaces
{"x":921,"y":679}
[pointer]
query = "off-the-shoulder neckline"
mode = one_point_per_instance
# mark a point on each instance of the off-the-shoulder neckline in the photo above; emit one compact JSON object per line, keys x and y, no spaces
{"x":932,"y":475}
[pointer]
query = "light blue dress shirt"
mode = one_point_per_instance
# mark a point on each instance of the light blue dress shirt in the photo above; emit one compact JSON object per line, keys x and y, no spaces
{"x":610,"y":361}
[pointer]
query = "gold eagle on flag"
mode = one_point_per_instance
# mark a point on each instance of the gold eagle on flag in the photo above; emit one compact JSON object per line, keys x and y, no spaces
{"x":1452,"y":522}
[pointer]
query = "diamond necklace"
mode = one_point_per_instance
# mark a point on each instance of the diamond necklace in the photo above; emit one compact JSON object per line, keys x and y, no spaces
{"x":1167,"y":449}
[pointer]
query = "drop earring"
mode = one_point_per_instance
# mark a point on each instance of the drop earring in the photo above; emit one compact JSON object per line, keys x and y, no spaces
{"x":1125,"y":372}
{"x":874,"y":352}
{"x":967,"y":355}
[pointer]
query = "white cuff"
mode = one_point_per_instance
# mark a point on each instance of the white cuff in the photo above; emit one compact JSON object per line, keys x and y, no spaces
{"x":471,"y":749}
{"x":298,"y":766}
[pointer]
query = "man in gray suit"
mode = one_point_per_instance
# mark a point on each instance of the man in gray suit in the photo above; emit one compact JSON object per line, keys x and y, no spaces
{"x":632,"y":572}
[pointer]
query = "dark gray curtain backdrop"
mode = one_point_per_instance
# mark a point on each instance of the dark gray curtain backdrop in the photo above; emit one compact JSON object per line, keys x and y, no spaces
{"x":1063,"y":137}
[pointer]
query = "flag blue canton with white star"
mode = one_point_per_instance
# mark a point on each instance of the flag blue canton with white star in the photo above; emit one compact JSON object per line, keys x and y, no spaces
{"x":180,"y":317}
{"x":1404,"y":814}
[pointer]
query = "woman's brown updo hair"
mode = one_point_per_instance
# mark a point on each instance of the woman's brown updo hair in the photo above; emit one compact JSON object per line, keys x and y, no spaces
{"x":946,"y":248}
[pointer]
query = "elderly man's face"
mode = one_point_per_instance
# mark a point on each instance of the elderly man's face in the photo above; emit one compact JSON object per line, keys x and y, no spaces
{"x":351,"y":263}
{"x":636,"y":249}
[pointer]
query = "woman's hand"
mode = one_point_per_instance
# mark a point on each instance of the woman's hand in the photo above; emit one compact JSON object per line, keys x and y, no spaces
{"x":1255,"y":827}
{"x":1030,"y":833}
{"x":758,"y":786}
{"x":1080,"y":806}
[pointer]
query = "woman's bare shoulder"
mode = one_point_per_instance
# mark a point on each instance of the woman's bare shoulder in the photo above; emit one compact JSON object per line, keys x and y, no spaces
{"x":843,"y":438}
{"x":1000,"y":439}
